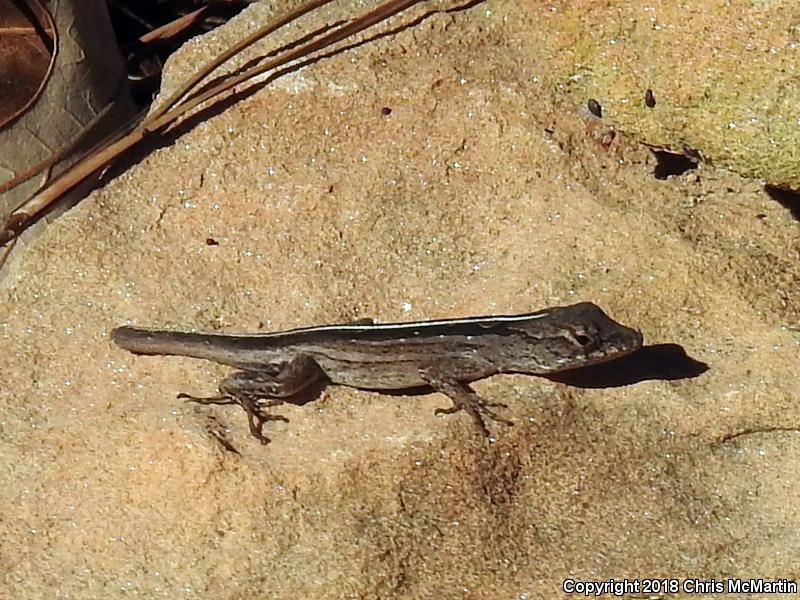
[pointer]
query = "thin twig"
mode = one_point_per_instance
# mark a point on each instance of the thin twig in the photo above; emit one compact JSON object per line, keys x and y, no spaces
{"x":381,"y":13}
{"x":61,"y":152}
{"x":251,"y":39}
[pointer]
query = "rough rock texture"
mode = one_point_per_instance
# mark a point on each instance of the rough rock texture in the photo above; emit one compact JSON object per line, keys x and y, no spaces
{"x":723,"y":75}
{"x":486,"y":189}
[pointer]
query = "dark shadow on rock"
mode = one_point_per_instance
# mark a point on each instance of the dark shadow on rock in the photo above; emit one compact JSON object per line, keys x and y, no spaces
{"x":662,"y":361}
{"x":669,"y":164}
{"x":786,"y":198}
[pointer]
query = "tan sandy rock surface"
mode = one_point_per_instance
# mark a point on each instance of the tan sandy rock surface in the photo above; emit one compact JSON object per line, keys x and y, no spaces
{"x":485,"y":189}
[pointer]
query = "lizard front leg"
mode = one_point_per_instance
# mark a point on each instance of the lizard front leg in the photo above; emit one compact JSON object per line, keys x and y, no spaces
{"x":463,"y":397}
{"x":249,"y":389}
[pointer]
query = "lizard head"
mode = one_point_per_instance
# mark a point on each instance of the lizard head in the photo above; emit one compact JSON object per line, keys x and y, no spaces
{"x":570,"y":337}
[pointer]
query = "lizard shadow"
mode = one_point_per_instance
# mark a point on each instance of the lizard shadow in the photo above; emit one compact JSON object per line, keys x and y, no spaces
{"x":661,"y":361}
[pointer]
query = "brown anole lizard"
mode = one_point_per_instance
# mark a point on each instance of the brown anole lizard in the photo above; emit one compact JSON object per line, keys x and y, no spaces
{"x":444,"y":355}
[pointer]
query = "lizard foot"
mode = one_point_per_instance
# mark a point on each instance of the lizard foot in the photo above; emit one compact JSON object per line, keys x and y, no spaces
{"x":253,"y":406}
{"x":257,"y":416}
{"x":477,"y":409}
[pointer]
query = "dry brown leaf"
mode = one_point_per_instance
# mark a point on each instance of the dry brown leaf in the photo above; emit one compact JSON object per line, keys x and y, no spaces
{"x":27,"y":44}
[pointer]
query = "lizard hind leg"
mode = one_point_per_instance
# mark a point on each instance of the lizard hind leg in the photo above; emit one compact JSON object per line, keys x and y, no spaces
{"x":253,"y":405}
{"x":257,"y":390}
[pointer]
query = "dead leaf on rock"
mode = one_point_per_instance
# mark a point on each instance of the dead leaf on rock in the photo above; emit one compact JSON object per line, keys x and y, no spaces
{"x":27,"y":55}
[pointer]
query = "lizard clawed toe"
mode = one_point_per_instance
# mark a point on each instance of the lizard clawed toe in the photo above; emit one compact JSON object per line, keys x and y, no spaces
{"x":256,"y":416}
{"x":224,"y":399}
{"x":477,"y":410}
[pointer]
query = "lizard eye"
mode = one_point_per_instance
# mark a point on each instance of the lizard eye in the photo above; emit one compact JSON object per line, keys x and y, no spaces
{"x":583,"y":340}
